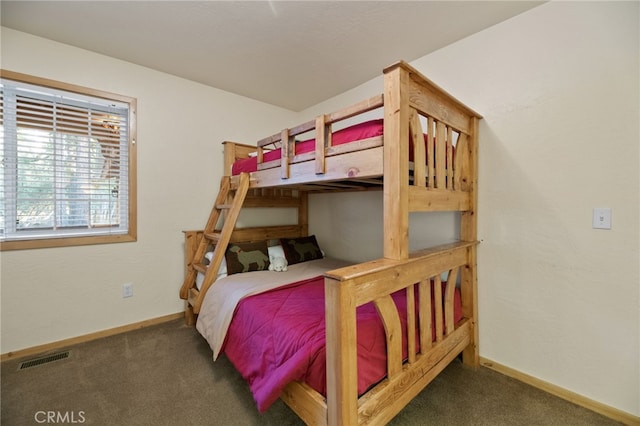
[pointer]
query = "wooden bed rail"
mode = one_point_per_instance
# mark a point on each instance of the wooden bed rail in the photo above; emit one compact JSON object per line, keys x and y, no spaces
{"x":322,"y":125}
{"x":347,"y":288}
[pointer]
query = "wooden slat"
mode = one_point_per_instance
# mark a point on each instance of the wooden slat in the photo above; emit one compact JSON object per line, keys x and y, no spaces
{"x":356,"y":109}
{"x":461,"y":164}
{"x":212,"y":236}
{"x":266,"y":233}
{"x":440,"y":155}
{"x":287,"y":151}
{"x":431,"y":154}
{"x":424,"y":315}
{"x":393,"y":332}
{"x":449,"y":164}
{"x":419,"y":154}
{"x":360,"y":145}
{"x":272,"y":202}
{"x":449,"y":296}
{"x":199,"y":267}
{"x":437,"y":306}
{"x":411,"y":324}
{"x":302,"y":128}
{"x":270,"y":164}
{"x":423,"y":200}
{"x":270,"y":140}
{"x":323,"y":140}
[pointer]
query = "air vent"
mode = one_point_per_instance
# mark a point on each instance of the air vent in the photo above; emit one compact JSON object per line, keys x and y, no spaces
{"x":43,"y":360}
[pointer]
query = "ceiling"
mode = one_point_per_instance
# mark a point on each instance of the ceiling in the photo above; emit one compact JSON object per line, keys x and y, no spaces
{"x":293,"y":54}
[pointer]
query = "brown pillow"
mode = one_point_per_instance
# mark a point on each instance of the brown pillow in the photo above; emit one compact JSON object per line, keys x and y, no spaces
{"x":301,"y":249}
{"x":245,"y":257}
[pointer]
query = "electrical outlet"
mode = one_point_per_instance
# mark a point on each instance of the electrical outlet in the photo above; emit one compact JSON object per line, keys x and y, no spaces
{"x":602,"y":218}
{"x":127,"y":290}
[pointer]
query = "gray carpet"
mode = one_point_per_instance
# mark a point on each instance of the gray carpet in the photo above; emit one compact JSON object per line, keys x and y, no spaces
{"x":164,"y":375}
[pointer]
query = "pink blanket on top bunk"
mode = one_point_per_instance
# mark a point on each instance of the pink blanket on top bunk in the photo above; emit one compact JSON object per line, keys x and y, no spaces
{"x":279,"y":336}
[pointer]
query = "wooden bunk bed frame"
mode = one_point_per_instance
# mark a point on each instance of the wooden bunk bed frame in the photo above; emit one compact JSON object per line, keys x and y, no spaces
{"x":440,"y":178}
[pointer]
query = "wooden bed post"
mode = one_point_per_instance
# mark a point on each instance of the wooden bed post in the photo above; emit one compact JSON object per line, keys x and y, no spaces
{"x":396,"y":163}
{"x":303,"y":212}
{"x":342,"y":360}
{"x":469,"y":232}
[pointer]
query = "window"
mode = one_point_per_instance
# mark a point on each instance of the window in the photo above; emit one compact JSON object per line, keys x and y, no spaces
{"x":67,"y":157}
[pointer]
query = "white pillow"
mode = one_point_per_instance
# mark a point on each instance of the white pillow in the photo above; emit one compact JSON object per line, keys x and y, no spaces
{"x":276,"y":251}
{"x":222,"y":271}
{"x":223,"y":265}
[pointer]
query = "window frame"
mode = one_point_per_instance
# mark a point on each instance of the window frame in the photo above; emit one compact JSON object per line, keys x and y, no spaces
{"x":70,"y":241}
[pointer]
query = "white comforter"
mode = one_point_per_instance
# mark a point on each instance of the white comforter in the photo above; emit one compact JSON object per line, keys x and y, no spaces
{"x":223,"y":296}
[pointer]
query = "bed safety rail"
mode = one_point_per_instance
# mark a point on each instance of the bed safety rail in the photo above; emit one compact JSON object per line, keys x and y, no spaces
{"x":375,"y":281}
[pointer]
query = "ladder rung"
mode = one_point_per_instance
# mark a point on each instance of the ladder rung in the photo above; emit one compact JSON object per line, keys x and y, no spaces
{"x":213,"y":236}
{"x":200,"y":267}
{"x":193,"y":296}
{"x":223,"y":206}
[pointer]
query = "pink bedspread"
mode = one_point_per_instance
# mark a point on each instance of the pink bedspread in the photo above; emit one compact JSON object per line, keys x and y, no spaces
{"x":279,"y":336}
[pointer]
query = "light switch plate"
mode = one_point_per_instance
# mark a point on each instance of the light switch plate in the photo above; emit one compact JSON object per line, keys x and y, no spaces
{"x":602,"y":218}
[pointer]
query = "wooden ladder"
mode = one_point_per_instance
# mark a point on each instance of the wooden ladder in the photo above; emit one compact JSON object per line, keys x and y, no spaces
{"x":228,"y":205}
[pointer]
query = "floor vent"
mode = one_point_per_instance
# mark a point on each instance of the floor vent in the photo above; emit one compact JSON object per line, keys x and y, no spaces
{"x":43,"y":360}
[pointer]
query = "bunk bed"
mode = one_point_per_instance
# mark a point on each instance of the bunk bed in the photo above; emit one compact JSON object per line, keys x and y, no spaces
{"x":422,"y":153}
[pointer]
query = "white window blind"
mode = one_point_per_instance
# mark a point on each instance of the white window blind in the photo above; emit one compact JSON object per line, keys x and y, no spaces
{"x":65,"y":164}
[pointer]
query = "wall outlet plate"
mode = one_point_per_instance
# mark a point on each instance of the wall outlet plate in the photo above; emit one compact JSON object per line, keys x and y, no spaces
{"x":127,"y":290}
{"x":602,"y":218}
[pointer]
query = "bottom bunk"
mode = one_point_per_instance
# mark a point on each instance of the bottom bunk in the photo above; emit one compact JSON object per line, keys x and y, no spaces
{"x":335,"y":341}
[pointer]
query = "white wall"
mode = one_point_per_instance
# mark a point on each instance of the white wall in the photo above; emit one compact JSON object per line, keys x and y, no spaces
{"x":558,"y":87}
{"x":54,"y":294}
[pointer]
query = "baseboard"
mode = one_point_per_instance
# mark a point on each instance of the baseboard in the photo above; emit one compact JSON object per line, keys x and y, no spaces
{"x":598,"y":407}
{"x":36,"y":350}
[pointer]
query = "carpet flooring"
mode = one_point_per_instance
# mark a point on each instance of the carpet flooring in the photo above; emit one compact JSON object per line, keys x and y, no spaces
{"x":164,"y":375}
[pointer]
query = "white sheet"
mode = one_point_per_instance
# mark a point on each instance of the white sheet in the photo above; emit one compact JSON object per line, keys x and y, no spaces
{"x":223,"y":296}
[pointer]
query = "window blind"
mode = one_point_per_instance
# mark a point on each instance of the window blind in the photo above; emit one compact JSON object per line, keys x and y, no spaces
{"x":65,"y":163}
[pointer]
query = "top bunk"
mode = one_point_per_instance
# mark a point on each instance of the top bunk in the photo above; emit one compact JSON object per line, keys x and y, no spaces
{"x":414,"y":140}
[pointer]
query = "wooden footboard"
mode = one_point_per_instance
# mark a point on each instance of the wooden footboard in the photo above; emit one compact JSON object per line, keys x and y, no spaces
{"x":350,"y":287}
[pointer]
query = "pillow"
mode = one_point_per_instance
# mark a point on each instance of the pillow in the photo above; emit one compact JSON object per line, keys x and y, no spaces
{"x":245,"y":257}
{"x":276,"y":251}
{"x":301,"y":249}
{"x":222,"y":271}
